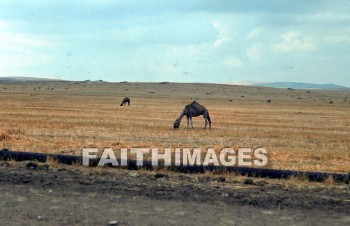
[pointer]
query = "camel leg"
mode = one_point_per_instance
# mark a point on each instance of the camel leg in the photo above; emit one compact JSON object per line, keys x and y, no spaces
{"x":188,"y":122}
{"x":192,"y":122}
{"x":205,"y":116}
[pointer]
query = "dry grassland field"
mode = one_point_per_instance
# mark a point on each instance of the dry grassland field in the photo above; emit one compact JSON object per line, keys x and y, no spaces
{"x":300,"y":129}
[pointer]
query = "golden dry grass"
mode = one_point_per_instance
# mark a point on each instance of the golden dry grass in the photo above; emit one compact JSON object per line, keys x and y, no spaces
{"x":301,"y":130}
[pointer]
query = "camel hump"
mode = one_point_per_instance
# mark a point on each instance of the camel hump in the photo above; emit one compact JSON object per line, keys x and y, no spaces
{"x":195,"y":102}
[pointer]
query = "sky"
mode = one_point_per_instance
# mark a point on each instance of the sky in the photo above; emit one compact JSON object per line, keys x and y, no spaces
{"x":210,"y":41}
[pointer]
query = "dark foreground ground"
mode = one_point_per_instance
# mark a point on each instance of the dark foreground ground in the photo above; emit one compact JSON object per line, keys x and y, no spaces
{"x":72,"y":195}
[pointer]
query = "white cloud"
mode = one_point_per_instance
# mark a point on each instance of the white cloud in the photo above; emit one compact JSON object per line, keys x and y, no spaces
{"x":221,"y":41}
{"x":3,"y":25}
{"x":234,"y":62}
{"x":254,"y":33}
{"x":20,"y":51}
{"x":254,"y":52}
{"x":293,"y":41}
{"x":21,"y":61}
{"x":223,"y":37}
{"x":20,"y":42}
{"x":337,"y":37}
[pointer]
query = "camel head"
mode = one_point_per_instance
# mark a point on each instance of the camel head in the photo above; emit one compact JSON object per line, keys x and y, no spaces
{"x":176,"y":124}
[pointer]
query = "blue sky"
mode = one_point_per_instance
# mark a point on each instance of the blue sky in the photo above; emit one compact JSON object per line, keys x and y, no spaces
{"x":219,"y":41}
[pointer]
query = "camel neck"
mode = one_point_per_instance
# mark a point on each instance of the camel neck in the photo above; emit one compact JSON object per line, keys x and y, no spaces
{"x":181,"y":116}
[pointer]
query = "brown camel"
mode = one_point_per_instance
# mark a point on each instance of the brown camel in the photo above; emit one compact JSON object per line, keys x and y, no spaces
{"x":125,"y":100}
{"x":193,"y":110}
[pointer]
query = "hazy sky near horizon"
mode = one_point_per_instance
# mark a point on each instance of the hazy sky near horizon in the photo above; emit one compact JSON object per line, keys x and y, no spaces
{"x":219,"y":41}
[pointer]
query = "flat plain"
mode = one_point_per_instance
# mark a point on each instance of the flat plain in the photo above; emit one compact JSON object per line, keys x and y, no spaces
{"x":300,"y":129}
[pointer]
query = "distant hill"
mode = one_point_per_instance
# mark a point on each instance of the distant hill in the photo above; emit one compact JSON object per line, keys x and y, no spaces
{"x":299,"y":85}
{"x":26,"y":79}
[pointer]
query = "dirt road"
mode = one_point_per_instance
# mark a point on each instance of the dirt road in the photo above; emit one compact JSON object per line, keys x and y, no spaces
{"x":69,"y":195}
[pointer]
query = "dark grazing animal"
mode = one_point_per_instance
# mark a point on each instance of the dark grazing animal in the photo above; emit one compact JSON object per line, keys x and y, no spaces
{"x":193,"y":109}
{"x":125,"y":100}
